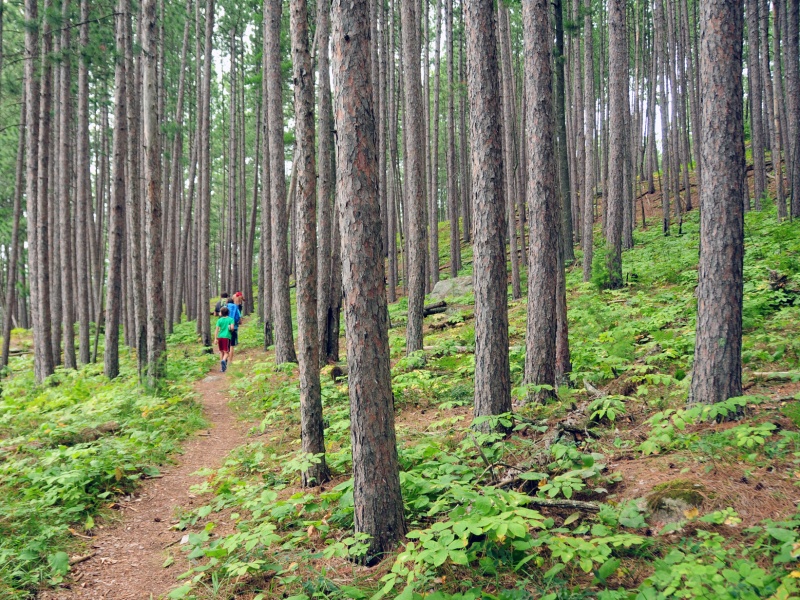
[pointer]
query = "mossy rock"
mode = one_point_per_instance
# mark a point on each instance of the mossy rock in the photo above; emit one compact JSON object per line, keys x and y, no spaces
{"x":669,"y":501}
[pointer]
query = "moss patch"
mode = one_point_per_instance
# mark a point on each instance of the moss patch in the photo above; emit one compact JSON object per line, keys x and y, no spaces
{"x":688,"y":492}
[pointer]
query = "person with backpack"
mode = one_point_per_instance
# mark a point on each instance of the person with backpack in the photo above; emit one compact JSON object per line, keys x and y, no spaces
{"x":223,"y":301}
{"x":236,"y":315}
{"x":223,"y":333}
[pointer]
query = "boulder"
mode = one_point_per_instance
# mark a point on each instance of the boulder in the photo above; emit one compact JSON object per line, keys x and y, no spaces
{"x":450,"y":288}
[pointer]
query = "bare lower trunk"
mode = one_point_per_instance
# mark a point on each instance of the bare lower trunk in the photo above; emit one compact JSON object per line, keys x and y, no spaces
{"x":154,"y":272}
{"x":543,"y":204}
{"x":588,"y":168}
{"x":281,"y":308}
{"x":116,"y":231}
{"x":325,"y":179}
{"x":312,"y":438}
{"x":492,"y":375}
{"x":717,"y":373}
{"x":415,"y":178}
{"x":378,"y":504}
{"x":618,"y":81}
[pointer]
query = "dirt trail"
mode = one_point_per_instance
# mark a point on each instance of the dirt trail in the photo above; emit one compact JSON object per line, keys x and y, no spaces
{"x":129,"y":556}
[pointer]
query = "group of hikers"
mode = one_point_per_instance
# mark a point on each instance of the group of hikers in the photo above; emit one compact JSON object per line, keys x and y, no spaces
{"x":229,"y":311}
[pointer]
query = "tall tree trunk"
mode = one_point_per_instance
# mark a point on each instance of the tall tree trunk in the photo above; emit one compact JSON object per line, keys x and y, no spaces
{"x":588,"y":168}
{"x":717,"y":373}
{"x":452,"y":200}
{"x":64,"y":188}
{"x":154,"y":273}
{"x":265,"y":249}
{"x":561,"y":136}
{"x":393,"y":184}
{"x":433,"y":192}
{"x":325,"y":179}
{"x":793,"y":99}
{"x":378,"y":504}
{"x":543,"y":203}
{"x":617,"y":85}
{"x":116,"y":233}
{"x":46,"y":362}
{"x":281,"y":309}
{"x":766,"y":75}
{"x":13,"y":259}
{"x":83,"y":192}
{"x":756,"y":121}
{"x":508,"y":145}
{"x":415,"y":177}
{"x":662,"y":67}
{"x":778,"y":147}
{"x":492,"y":374}
{"x":312,"y":438}
{"x":466,"y":187}
{"x":335,"y":308}
{"x":172,"y":274}
{"x":133,"y":207}
{"x":204,"y":204}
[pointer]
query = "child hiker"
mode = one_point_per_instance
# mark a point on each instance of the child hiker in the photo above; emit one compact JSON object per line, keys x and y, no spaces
{"x":223,"y":335}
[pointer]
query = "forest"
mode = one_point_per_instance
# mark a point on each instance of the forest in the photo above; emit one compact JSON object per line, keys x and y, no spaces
{"x":365,"y":299}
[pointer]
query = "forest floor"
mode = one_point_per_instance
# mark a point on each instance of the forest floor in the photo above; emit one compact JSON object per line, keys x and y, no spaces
{"x":126,"y":559}
{"x":653,"y":498}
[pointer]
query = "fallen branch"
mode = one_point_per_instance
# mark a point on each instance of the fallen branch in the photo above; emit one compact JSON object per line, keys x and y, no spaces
{"x":571,"y":504}
{"x":441,"y":304}
{"x":777,"y":375}
{"x":427,"y":312}
{"x":75,"y":560}
{"x":458,"y":349}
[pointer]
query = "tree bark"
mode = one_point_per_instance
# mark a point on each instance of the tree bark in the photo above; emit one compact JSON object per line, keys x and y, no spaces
{"x":452,"y":200}
{"x":778,"y":148}
{"x":415,"y":178}
{"x":508,"y":145}
{"x":204,"y":204}
{"x":325,"y":178}
{"x":154,"y":272}
{"x":378,"y":505}
{"x":433,"y":192}
{"x":83,"y":192}
{"x":617,"y":84}
{"x":116,"y":231}
{"x":793,"y":99}
{"x":543,"y":204}
{"x":265,"y":247}
{"x":281,"y":308}
{"x":64,"y":188}
{"x":587,"y":238}
{"x":561,"y":136}
{"x":756,"y":121}
{"x":312,"y":438}
{"x":717,"y":373}
{"x":492,"y":374}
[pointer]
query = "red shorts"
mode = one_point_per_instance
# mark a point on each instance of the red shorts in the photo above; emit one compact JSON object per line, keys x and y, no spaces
{"x":224,"y":344}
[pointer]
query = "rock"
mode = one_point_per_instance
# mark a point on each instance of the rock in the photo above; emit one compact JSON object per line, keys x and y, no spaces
{"x":448,"y":288}
{"x":671,"y":501}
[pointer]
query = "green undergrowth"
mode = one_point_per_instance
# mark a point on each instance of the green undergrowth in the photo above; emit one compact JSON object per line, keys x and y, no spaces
{"x":68,"y":447}
{"x":473,"y":501}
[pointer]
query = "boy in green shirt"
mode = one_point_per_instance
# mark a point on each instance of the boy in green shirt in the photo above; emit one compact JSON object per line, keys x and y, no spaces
{"x":223,"y":332}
